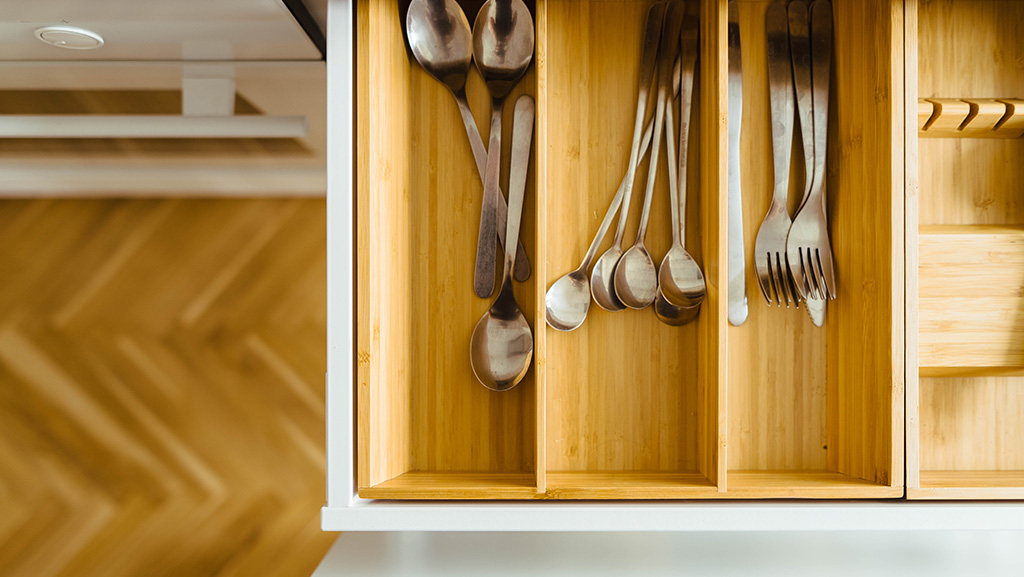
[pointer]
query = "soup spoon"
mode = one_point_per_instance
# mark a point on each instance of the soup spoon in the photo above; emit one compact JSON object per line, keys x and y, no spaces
{"x":636,"y":278}
{"x":568,"y":300}
{"x":602,"y":279}
{"x":680,"y":280}
{"x":502,"y":344}
{"x":442,"y":43}
{"x":503,"y":42}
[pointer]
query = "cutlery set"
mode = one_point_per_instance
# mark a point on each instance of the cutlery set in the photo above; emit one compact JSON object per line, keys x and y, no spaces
{"x":792,"y":256}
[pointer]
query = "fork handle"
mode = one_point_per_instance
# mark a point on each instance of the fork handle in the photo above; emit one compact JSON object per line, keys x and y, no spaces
{"x":780,"y":82}
{"x":821,"y":62}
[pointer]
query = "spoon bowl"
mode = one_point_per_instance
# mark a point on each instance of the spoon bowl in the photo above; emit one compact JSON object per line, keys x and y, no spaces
{"x":680,"y":279}
{"x":602,"y":280}
{"x":636,"y":279}
{"x":503,"y":43}
{"x":441,"y":41}
{"x":502,"y":346}
{"x":568,"y":301}
{"x":671,"y":314}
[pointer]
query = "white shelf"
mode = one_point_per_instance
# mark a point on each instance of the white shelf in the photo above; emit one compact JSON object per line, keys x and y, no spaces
{"x":913,"y":554}
{"x":675,"y":516}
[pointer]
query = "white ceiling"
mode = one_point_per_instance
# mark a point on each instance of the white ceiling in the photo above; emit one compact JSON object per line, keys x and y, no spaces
{"x":159,"y":30}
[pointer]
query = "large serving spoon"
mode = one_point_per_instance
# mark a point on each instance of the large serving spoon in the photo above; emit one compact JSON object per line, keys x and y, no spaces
{"x":680,"y":280}
{"x":502,"y":344}
{"x":503,"y":42}
{"x":602,"y":279}
{"x":636,"y":278}
{"x":442,"y":43}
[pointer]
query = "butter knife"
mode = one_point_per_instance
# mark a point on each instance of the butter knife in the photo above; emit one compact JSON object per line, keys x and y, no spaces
{"x":737,"y":270}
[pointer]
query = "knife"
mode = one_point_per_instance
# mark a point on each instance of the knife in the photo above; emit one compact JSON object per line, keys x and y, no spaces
{"x":737,"y":270}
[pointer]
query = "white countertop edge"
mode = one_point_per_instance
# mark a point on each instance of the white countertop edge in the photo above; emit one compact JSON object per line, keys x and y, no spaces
{"x":370,"y":515}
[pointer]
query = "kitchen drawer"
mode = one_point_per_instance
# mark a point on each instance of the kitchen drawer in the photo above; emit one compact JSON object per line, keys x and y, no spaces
{"x":624,"y":407}
{"x":965,"y":239}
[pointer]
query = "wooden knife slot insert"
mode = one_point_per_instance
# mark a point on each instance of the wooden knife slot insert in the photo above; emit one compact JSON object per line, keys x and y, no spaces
{"x":624,"y":407}
{"x":966,"y":393}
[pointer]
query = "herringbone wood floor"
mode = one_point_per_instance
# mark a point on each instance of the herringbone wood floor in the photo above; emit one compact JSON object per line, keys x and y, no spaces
{"x":161,"y":387}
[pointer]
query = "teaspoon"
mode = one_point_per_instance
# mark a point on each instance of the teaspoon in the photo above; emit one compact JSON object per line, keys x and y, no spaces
{"x":503,"y":42}
{"x":502,"y":344}
{"x":442,"y":43}
{"x":636,"y":278}
{"x":673,"y":315}
{"x":602,"y":279}
{"x":568,"y":300}
{"x":680,"y":280}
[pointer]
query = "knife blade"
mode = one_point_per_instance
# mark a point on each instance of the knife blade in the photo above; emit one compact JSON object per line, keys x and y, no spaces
{"x":737,"y":267}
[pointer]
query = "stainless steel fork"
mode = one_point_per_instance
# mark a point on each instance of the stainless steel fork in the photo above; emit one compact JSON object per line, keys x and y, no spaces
{"x":808,"y":249}
{"x":770,"y":260}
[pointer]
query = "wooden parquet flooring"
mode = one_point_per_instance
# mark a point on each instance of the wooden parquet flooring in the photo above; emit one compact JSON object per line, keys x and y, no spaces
{"x":162,"y":387}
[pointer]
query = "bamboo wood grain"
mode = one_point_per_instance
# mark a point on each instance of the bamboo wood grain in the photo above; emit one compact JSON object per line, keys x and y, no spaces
{"x":713,"y":348}
{"x":812,"y":484}
{"x":925,"y":111}
{"x":949,"y":115}
{"x":910,"y":235}
{"x":970,"y":118}
{"x":965,"y":404}
{"x":985,"y":115}
{"x":382,"y":215}
{"x":622,"y":391}
{"x":420,"y":408}
{"x":777,"y":359}
{"x":832,"y":399}
{"x":626,"y":408}
{"x":972,"y":424}
{"x":1012,"y":125}
{"x":971,"y":279}
{"x":969,"y":485}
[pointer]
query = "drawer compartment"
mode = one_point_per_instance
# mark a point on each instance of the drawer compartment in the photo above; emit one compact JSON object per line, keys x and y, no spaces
{"x":624,"y":407}
{"x":965,"y":394}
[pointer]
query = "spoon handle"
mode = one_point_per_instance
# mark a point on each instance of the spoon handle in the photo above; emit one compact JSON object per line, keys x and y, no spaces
{"x":652,"y":38}
{"x":522,"y":271}
{"x":522,"y":137}
{"x":483,"y":276}
{"x":688,"y":57}
{"x":613,"y":208}
{"x":669,"y":49}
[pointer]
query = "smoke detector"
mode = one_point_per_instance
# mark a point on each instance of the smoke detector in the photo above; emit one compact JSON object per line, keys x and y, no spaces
{"x":69,"y":37}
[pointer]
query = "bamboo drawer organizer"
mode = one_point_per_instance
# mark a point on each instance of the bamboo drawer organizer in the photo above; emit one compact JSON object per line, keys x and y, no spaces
{"x":626,"y":408}
{"x":965,"y":240}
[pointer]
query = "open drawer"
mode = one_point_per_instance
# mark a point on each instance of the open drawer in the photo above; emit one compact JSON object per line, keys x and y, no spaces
{"x":965,"y":232}
{"x":624,"y":407}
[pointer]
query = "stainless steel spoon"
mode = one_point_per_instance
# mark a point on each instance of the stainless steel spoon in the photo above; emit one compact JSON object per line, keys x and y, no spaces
{"x":672,"y":315}
{"x":680,"y":280}
{"x":502,"y":344}
{"x":636,"y":278}
{"x":442,"y":43}
{"x":503,"y":42}
{"x":568,"y":300}
{"x":602,"y":279}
